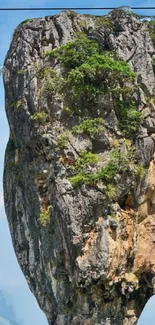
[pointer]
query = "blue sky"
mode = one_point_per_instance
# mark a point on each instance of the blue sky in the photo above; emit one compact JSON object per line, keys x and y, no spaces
{"x":11,"y":278}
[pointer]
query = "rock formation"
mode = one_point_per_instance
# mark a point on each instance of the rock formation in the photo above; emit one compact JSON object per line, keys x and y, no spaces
{"x":79,"y":177}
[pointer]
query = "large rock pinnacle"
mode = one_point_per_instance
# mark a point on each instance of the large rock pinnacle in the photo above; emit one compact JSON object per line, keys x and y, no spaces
{"x":79,"y":177}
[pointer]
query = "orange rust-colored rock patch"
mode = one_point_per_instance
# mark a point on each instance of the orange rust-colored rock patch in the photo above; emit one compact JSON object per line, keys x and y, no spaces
{"x":121,"y":246}
{"x":145,"y":250}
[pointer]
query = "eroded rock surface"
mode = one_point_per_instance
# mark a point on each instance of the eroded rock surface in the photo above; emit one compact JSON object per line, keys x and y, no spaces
{"x":86,"y":244}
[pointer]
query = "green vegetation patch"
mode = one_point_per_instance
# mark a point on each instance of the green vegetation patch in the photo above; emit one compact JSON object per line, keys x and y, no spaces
{"x":151,"y":30}
{"x":107,"y":22}
{"x":62,"y":140}
{"x":139,"y":172}
{"x":110,"y":191}
{"x":92,"y":72}
{"x":98,"y":74}
{"x":75,"y":53}
{"x":21,"y":71}
{"x":23,"y":23}
{"x":45,"y":215}
{"x":19,"y":104}
{"x":86,"y":159}
{"x":128,"y":116}
{"x":51,"y":82}
{"x":90,"y":126}
{"x":40,"y":117}
{"x":117,"y":162}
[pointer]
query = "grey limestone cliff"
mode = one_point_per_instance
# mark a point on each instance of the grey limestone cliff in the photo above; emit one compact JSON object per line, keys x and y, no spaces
{"x":79,"y":177}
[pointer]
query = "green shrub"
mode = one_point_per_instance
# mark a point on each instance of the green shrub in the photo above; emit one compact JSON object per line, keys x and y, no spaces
{"x":153,"y":64}
{"x":21,"y":71}
{"x":98,"y":75}
{"x":83,"y":175}
{"x":99,"y":63}
{"x":44,"y":218}
{"x":40,"y":117}
{"x":76,"y":180}
{"x":72,"y":14}
{"x":90,"y":72}
{"x":110,"y":191}
{"x":139,"y":172}
{"x":153,"y":61}
{"x":11,"y":104}
{"x":128,"y":116}
{"x":118,"y":162}
{"x":86,"y":159}
{"x":67,"y":111}
{"x":83,"y":178}
{"x":51,"y":82}
{"x":81,"y":168}
{"x":74,"y":53}
{"x":82,"y":92}
{"x":90,"y":127}
{"x":19,"y":104}
{"x":105,"y":21}
{"x":45,"y":72}
{"x":23,"y":23}
{"x":62,"y":140}
{"x":108,"y":173}
{"x":151,"y":29}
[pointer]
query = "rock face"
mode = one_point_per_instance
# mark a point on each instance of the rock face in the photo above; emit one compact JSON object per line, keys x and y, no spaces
{"x":79,"y":177}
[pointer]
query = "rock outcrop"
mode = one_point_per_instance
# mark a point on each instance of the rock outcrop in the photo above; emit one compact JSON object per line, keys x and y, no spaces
{"x":79,"y":177}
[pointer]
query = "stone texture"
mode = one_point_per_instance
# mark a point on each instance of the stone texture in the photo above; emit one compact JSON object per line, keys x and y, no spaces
{"x":93,"y":263}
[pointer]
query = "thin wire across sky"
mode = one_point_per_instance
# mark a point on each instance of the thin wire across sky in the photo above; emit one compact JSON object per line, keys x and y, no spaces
{"x":82,"y":8}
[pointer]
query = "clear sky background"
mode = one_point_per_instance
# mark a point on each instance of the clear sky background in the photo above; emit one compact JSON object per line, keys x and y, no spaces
{"x":11,"y":278}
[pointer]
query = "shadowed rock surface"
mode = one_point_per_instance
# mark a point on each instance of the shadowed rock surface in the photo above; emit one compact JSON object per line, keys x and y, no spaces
{"x":79,"y":177}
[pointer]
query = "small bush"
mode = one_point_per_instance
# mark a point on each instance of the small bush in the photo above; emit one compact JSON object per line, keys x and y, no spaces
{"x":21,"y":71}
{"x":51,"y":82}
{"x":76,"y":180}
{"x":153,"y":64}
{"x":151,"y":29}
{"x":86,"y":159}
{"x":67,"y":111}
{"x":98,"y":75}
{"x":153,"y":61}
{"x":105,"y":21}
{"x":19,"y":104}
{"x":40,"y":117}
{"x":75,"y":53}
{"x":90,"y":72}
{"x":128,"y":116}
{"x":83,"y":174}
{"x":62,"y":140}
{"x":44,"y":218}
{"x":72,"y":14}
{"x":108,"y":173}
{"x":81,"y":168}
{"x":115,"y":143}
{"x":139,"y":172}
{"x":118,"y":162}
{"x":23,"y":23}
{"x":110,"y":191}
{"x":90,"y":127}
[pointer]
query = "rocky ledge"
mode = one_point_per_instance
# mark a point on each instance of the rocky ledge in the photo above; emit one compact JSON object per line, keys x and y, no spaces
{"x":79,"y":176}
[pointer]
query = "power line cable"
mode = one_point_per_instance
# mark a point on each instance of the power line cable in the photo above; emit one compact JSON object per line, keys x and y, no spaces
{"x":82,"y":8}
